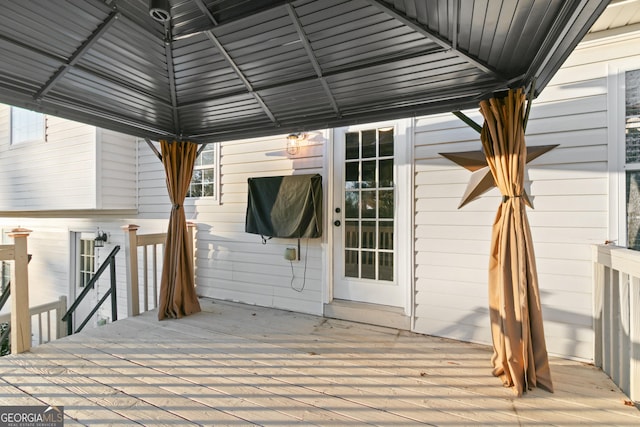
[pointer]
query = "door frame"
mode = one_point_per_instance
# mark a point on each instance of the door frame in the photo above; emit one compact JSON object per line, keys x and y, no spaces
{"x":75,"y":235}
{"x":405,"y":217}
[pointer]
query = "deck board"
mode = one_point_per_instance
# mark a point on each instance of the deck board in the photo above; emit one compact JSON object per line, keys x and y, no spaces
{"x":235,"y":365}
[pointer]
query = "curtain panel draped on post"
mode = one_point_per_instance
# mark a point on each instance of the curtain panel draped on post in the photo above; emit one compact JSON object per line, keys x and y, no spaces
{"x":519,"y":349}
{"x":177,"y":287}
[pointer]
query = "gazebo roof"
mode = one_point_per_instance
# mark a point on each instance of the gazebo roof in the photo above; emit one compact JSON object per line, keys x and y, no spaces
{"x":225,"y":69}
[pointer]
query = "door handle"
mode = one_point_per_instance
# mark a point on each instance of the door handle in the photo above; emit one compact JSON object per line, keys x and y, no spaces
{"x":337,"y":223}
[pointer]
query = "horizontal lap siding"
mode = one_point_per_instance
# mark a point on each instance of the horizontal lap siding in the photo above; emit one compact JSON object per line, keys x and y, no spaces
{"x":53,"y":175}
{"x":117,"y":173}
{"x":50,"y":245}
{"x":232,"y":264}
{"x":569,"y":190}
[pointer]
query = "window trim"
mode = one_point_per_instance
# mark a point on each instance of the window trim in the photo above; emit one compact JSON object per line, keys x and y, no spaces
{"x":12,"y":142}
{"x":618,"y":168}
{"x":81,"y":257}
{"x":215,"y":199}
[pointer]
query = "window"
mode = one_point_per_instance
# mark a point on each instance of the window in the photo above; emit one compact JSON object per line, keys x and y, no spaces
{"x":27,"y":126}
{"x":369,"y":204}
{"x":632,"y":156}
{"x":205,"y":177}
{"x":87,"y":261}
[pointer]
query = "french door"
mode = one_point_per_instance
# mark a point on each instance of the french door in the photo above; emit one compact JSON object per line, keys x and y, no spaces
{"x":365,"y":215}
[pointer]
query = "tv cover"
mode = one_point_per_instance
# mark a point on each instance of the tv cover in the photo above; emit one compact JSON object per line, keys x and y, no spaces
{"x":285,"y":206}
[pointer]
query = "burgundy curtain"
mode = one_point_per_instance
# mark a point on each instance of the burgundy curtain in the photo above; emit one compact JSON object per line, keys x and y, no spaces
{"x":519,"y":349}
{"x":177,"y":288}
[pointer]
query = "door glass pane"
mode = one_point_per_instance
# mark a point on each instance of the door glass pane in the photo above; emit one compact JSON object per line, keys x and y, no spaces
{"x":385,"y":235}
{"x":386,"y":142}
{"x":352,"y":175}
{"x":386,"y":204}
{"x":386,"y":173}
{"x":369,"y":141}
{"x":369,"y":174}
{"x":385,"y":266}
{"x":368,"y":234}
{"x":352,"y":145}
{"x":351,"y":234}
{"x":633,"y":210}
{"x":351,"y":264}
{"x":368,"y":265}
{"x":368,"y":204}
{"x":632,"y":116}
{"x":351,"y":199}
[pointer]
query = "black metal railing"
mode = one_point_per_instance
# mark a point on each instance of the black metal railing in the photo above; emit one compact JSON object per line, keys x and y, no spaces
{"x":111,"y":263}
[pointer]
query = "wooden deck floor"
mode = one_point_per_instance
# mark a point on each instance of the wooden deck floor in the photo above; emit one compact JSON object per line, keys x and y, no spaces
{"x":236,"y":365}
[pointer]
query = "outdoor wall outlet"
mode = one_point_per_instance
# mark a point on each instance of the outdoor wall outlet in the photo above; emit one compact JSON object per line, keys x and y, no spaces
{"x":290,"y":254}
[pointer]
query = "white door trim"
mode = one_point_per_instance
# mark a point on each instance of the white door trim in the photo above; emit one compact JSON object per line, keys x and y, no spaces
{"x":405,"y":217}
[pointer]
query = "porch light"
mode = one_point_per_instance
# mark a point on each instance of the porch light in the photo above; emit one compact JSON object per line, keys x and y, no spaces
{"x":294,"y":140}
{"x":101,"y":239}
{"x":160,"y":10}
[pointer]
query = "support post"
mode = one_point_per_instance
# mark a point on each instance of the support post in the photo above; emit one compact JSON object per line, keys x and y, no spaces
{"x":598,"y":308}
{"x":634,"y":339}
{"x":131,"y":261}
{"x":61,"y":329}
{"x":20,"y":316}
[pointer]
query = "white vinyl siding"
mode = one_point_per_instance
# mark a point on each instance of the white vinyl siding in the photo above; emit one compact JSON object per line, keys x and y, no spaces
{"x":73,"y":171}
{"x":53,"y":176}
{"x":232,"y":264}
{"x":570,"y":192}
{"x":116,"y":177}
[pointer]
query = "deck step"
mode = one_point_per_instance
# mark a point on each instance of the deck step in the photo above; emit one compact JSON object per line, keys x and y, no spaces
{"x":372,"y":314}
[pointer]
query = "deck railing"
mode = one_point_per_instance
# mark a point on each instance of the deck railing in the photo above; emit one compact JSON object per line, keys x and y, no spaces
{"x":617,"y":316}
{"x":110,"y":263}
{"x":46,"y":321}
{"x":143,"y":254}
{"x":19,"y":317}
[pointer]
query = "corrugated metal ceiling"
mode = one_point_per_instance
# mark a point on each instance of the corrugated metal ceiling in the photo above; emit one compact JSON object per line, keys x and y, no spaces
{"x":222,"y":69}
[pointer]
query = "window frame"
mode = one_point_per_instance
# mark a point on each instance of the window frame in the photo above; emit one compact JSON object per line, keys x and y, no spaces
{"x":42,"y":137}
{"x":618,"y":168}
{"x":90,"y":258}
{"x":215,"y":199}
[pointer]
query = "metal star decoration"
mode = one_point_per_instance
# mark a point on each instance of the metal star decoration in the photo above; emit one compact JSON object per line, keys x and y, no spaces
{"x":481,"y":179}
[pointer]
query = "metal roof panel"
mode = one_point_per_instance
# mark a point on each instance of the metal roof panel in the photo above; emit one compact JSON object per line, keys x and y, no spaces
{"x":239,"y":68}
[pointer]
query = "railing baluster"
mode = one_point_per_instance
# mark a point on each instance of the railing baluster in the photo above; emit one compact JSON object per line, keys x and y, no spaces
{"x":40,"y":328}
{"x":146,"y":277}
{"x":616,"y":294}
{"x":155,"y":276}
{"x":49,"y":326}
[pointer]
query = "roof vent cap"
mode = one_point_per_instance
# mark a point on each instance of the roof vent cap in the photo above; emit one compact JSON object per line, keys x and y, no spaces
{"x":160,"y":10}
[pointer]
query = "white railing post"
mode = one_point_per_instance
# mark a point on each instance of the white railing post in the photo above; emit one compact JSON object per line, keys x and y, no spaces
{"x":61,"y":325}
{"x":131,"y":261}
{"x":20,"y":317}
{"x":634,"y":336}
{"x":598,"y":302}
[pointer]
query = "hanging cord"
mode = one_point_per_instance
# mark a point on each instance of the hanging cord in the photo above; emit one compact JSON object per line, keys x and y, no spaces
{"x":265,"y":239}
{"x":304,"y":276}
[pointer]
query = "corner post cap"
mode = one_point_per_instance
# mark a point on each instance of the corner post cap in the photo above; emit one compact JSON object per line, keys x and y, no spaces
{"x":19,"y":232}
